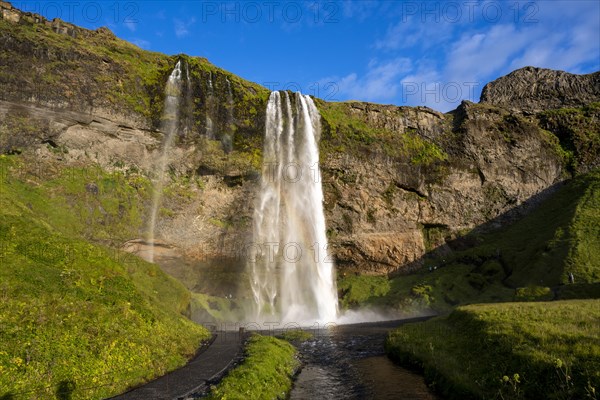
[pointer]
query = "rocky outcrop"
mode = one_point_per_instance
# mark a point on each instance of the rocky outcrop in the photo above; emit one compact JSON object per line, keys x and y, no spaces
{"x":536,"y":89}
{"x":398,"y":182}
{"x":384,"y":214}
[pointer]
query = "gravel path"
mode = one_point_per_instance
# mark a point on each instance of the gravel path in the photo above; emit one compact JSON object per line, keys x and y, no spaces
{"x":193,"y":379}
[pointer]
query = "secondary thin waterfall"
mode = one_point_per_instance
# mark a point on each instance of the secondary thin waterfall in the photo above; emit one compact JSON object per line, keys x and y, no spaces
{"x":168,"y":127}
{"x":210,"y":105}
{"x":292,"y":275}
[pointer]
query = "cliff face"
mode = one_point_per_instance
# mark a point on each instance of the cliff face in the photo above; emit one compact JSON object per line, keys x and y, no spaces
{"x":399,"y":181}
{"x":536,"y":89}
{"x":387,"y":212}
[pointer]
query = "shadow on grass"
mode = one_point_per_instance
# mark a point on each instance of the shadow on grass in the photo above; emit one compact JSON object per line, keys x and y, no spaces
{"x":65,"y":390}
{"x":533,"y":245}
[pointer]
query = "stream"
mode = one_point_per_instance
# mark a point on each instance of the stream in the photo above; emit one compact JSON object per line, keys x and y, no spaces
{"x":348,"y":362}
{"x":344,"y":362}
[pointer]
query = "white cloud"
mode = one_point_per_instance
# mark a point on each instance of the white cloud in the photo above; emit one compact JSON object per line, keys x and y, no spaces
{"x":565,"y":37}
{"x":412,"y":32}
{"x":465,"y":55}
{"x":182,"y":28}
{"x":360,"y":10}
{"x":131,"y":25}
{"x":381,"y":82}
{"x":476,"y":56}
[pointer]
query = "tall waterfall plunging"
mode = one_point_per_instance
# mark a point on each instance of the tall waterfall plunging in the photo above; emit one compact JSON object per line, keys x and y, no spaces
{"x":292,"y":276}
{"x":170,"y":121}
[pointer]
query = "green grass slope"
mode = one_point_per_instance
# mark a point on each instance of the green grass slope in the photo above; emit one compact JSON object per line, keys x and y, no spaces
{"x":76,"y":318}
{"x":543,"y":350}
{"x":528,"y":260}
{"x":266,"y":372}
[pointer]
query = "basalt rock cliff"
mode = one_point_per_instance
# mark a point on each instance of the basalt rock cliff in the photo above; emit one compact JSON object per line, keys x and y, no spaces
{"x":399,"y":182}
{"x":533,"y":89}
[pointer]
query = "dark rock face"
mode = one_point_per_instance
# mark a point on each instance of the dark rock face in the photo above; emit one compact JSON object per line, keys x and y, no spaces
{"x":537,"y":89}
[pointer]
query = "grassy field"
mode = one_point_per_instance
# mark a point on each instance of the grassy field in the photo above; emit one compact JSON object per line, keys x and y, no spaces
{"x":266,"y":372}
{"x":78,"y":318}
{"x":541,"y":350}
{"x":528,"y":260}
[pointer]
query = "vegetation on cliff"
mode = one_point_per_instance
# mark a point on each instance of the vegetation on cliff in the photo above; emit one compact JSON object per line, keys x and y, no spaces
{"x":531,"y":258}
{"x":345,"y":132}
{"x":578,"y":134}
{"x":534,"y":350}
{"x":41,"y":60}
{"x":77,"y":318}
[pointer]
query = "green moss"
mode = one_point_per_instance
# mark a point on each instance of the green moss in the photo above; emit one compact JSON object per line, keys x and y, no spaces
{"x":423,"y":293}
{"x":78,"y":312}
{"x":18,"y":131}
{"x":207,"y":308}
{"x":100,"y":206}
{"x":566,"y":156}
{"x":434,"y":236}
{"x":356,"y":290}
{"x":510,"y":351}
{"x":296,"y":335}
{"x":578,"y":135}
{"x":442,"y":288}
{"x":389,"y":193}
{"x":528,"y":260}
{"x":346,"y":132}
{"x":421,"y":151}
{"x":533,"y":293}
{"x":266,"y":372}
{"x":583,"y":259}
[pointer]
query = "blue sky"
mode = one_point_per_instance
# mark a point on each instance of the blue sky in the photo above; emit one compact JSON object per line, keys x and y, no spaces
{"x":432,"y":53}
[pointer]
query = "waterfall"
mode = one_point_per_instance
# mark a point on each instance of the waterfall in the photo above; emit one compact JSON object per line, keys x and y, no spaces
{"x":226,"y":138}
{"x":229,"y":95}
{"x":189,"y":103}
{"x":292,"y":276}
{"x":168,"y":127}
{"x":210,"y":105}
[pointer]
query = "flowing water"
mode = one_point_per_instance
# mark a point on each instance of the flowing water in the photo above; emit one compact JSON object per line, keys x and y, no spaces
{"x":348,"y":362}
{"x":291,"y":271}
{"x":168,"y":127}
{"x":226,"y":137}
{"x":210,"y":105}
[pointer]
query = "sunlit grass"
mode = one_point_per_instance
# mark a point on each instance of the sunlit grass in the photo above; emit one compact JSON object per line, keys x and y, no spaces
{"x":74,"y":315}
{"x":266,"y":372}
{"x":468,"y":353}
